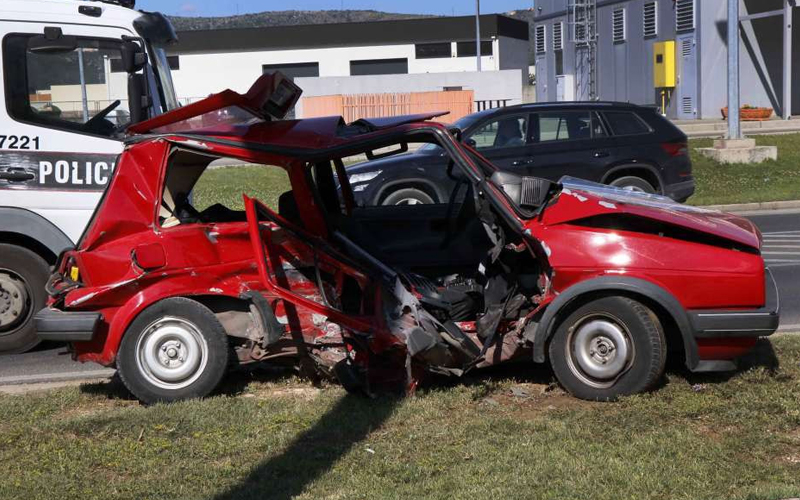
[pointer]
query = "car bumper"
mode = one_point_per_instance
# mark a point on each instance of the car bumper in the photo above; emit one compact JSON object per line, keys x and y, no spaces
{"x":680,"y":191}
{"x":77,"y":326}
{"x":738,"y":324}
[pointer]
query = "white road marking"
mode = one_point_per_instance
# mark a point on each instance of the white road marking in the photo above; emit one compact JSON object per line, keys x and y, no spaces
{"x":49,"y":377}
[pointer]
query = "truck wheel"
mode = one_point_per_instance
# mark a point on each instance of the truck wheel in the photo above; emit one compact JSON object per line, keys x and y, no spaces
{"x":633,"y":183}
{"x":607,"y":348}
{"x":408,"y":196}
{"x":23,"y":276}
{"x":174,"y":350}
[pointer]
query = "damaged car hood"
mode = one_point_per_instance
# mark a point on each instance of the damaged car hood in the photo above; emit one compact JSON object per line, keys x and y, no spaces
{"x":581,"y":199}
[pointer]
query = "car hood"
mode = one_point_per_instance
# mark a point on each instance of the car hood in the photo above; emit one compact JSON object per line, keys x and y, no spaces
{"x":581,"y":199}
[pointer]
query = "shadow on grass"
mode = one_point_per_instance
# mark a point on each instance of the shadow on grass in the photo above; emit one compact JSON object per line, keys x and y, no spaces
{"x":315,"y":451}
{"x":761,"y":356}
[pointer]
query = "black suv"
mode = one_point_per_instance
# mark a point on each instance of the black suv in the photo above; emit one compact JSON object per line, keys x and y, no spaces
{"x":624,"y":145}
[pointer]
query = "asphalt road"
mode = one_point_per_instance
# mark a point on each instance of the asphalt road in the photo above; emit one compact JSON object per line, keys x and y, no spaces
{"x":781,"y":230}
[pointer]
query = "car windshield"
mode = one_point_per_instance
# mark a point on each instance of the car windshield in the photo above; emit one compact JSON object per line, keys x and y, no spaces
{"x":218,"y":120}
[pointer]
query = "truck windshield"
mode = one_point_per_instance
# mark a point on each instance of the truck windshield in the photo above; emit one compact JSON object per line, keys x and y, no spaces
{"x":163,"y":76}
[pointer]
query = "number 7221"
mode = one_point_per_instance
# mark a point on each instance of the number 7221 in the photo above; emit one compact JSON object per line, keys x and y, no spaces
{"x":18,"y":142}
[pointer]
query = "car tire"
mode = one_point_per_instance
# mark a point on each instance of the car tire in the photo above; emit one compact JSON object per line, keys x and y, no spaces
{"x":408,"y":196}
{"x":23,"y":276}
{"x":633,"y":183}
{"x":174,"y":350}
{"x":607,"y":348}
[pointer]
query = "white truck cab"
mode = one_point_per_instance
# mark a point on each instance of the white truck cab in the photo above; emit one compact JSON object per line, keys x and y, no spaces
{"x":74,"y":75}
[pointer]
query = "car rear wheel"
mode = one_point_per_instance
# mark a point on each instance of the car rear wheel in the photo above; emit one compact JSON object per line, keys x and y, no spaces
{"x":609,"y":347}
{"x":408,"y":196}
{"x":633,"y":183}
{"x":174,"y":350}
{"x":23,"y":275}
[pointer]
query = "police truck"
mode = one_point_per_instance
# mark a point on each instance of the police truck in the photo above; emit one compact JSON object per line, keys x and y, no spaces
{"x":75,"y":75}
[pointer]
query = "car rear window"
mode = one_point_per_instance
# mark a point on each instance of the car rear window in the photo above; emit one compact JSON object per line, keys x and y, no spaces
{"x":626,"y":123}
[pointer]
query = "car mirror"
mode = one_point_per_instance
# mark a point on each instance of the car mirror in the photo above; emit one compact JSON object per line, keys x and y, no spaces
{"x":471,"y":143}
{"x":133,"y":57}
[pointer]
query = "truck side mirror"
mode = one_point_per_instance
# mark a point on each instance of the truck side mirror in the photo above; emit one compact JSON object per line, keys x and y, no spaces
{"x":133,"y":57}
{"x":138,"y":100}
{"x":53,"y":41}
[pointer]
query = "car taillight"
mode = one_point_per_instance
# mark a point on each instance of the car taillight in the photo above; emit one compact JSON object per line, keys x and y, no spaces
{"x":675,"y":148}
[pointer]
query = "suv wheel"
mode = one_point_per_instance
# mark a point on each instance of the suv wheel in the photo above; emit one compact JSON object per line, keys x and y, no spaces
{"x":607,"y":348}
{"x":633,"y":183}
{"x":408,"y":196}
{"x":176,"y":349}
{"x":23,"y":275}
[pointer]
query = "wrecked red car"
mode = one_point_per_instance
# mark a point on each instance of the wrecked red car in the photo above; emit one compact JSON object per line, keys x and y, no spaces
{"x":603,"y":284}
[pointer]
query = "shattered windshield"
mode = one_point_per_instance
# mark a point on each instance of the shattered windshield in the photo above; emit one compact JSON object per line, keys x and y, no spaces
{"x":218,"y":119}
{"x":627,"y":196}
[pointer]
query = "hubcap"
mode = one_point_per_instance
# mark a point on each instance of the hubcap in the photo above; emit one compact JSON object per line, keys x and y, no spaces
{"x":13,"y":301}
{"x":599,"y":350}
{"x":408,"y":201}
{"x":171,"y":354}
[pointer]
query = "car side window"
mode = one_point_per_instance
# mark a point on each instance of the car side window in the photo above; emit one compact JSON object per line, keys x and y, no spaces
{"x":75,"y":90}
{"x":626,"y":123}
{"x":550,"y":126}
{"x":505,"y":132}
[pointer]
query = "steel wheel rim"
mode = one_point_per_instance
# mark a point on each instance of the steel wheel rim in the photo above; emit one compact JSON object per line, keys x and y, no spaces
{"x":15,"y":302}
{"x":599,"y":350}
{"x":171,"y":353}
{"x":635,"y":189}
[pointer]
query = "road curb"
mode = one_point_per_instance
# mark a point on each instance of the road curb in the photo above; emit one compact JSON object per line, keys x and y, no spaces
{"x":753,"y":207}
{"x":104,"y":373}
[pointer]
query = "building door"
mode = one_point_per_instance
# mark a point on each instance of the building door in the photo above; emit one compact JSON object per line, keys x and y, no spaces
{"x":687,"y":85}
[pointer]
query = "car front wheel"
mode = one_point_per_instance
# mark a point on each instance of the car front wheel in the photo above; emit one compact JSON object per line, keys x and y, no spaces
{"x":408,"y":196}
{"x":174,"y":350}
{"x":607,"y":348}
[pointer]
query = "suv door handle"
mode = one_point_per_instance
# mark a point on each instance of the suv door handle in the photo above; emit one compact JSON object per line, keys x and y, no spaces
{"x":519,"y":163}
{"x":16,"y":175}
{"x":601,"y":154}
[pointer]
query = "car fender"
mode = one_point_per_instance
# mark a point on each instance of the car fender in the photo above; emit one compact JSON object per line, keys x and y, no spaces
{"x":25,"y":223}
{"x":632,"y":166}
{"x":545,"y":328}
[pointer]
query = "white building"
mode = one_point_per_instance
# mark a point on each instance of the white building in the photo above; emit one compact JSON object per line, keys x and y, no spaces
{"x":206,"y":61}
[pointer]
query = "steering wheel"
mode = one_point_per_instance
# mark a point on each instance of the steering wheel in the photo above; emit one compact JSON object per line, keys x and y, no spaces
{"x":93,"y":121}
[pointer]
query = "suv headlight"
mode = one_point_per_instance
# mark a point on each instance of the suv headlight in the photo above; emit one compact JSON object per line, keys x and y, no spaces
{"x":366,"y":176}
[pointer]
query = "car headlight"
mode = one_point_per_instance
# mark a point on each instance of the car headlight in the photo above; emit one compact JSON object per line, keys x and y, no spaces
{"x":366,"y":176}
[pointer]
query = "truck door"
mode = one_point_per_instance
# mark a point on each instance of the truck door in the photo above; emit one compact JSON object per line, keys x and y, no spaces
{"x":62,"y":105}
{"x":63,"y":99}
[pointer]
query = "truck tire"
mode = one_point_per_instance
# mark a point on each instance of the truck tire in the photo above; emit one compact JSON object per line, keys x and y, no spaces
{"x":23,"y":276}
{"x":607,"y":348}
{"x":174,"y":350}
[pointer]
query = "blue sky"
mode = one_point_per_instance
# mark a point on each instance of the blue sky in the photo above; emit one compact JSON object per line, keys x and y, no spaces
{"x":229,"y":7}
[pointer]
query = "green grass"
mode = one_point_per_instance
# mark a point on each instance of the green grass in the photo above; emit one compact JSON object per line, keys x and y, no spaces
{"x":226,"y":184}
{"x":696,"y":437}
{"x":716,"y":183}
{"x":769,"y":181}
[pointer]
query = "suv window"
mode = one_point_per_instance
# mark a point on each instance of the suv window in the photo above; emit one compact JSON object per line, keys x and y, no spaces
{"x":505,"y":132}
{"x":68,"y":90}
{"x":566,"y":126}
{"x":626,"y":123}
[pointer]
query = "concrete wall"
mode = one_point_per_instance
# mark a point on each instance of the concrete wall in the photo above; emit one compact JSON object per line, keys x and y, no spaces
{"x":203,"y":74}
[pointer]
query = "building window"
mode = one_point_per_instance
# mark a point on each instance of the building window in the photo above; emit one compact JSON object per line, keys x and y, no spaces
{"x":684,"y":15}
{"x":558,"y":38}
{"x":618,"y":22}
{"x":379,"y":67}
{"x":293,"y":70}
{"x":433,"y":50}
{"x":467,"y":49}
{"x":541,"y":39}
{"x":650,"y":19}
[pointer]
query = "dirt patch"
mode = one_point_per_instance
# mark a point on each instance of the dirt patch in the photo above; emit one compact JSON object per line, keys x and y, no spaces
{"x":304,"y":393}
{"x":528,"y":399}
